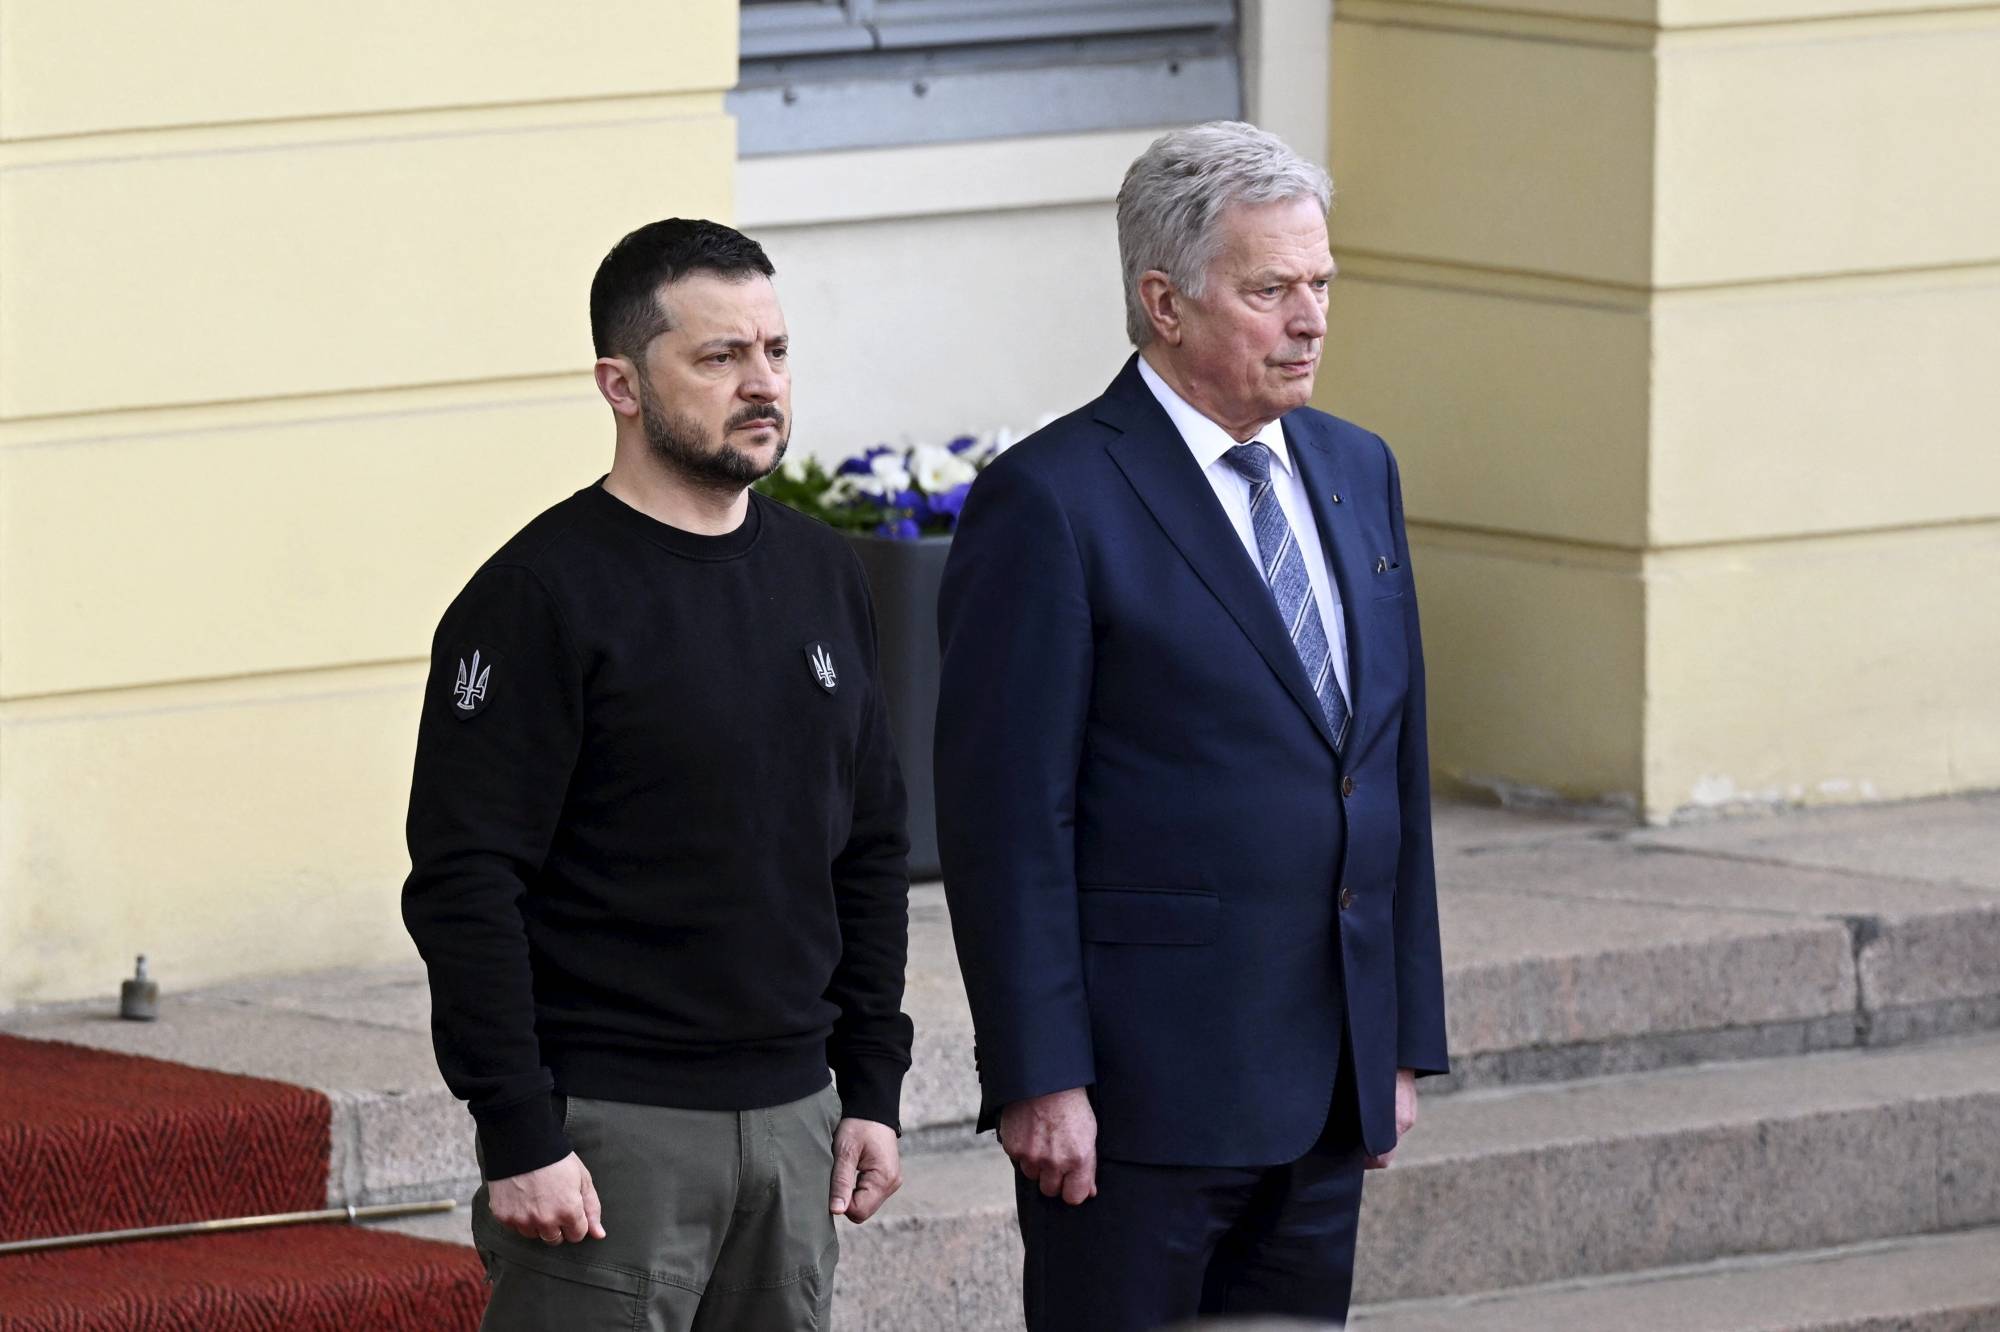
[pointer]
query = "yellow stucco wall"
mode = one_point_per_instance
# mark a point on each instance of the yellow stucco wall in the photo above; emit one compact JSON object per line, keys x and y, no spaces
{"x":293,"y":332}
{"x":1682,"y":316}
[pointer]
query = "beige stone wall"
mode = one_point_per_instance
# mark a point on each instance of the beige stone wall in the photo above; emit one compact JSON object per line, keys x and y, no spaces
{"x":1682,"y":316}
{"x":292,"y":334}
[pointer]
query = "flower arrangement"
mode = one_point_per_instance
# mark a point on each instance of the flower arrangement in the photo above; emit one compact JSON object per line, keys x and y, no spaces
{"x":899,"y":493}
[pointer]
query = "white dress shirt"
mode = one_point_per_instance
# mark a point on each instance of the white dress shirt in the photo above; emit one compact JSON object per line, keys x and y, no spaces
{"x":1208,"y":442}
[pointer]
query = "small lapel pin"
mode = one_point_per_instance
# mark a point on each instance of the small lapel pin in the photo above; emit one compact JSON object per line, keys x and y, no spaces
{"x":1336,"y":499}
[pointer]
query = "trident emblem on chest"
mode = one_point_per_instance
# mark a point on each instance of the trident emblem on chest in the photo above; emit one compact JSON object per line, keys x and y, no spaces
{"x":821,"y":662}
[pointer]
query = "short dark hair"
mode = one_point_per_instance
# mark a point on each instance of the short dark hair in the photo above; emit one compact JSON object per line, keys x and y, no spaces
{"x":625,"y":311}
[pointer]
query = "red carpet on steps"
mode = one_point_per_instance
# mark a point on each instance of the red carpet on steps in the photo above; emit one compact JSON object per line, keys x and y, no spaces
{"x":318,"y":1278}
{"x":91,"y":1140}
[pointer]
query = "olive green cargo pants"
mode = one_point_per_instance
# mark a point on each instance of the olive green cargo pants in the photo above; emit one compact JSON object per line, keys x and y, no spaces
{"x":714,"y":1220}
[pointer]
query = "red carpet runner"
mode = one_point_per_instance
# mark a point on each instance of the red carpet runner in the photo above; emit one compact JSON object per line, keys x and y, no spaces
{"x":91,"y":1140}
{"x":96,"y":1141}
{"x":301,"y":1279}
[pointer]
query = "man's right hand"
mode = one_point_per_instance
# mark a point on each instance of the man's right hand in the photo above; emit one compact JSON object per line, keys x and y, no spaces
{"x":554,"y":1204}
{"x":1053,"y":1141}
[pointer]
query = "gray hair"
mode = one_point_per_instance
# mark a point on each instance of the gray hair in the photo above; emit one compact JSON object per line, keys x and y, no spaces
{"x":1177,"y":190}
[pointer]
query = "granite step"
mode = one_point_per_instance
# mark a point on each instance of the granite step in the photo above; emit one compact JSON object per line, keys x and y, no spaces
{"x":1933,"y":1283}
{"x":1577,"y":949}
{"x":1681,"y":1056}
{"x":944,"y":1256}
{"x":1515,"y":1186}
{"x":1622,"y":1178}
{"x":1573,"y":949}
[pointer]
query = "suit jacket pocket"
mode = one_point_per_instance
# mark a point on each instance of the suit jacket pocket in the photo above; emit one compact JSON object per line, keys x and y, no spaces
{"x":1390,"y":583}
{"x":1173,"y":916}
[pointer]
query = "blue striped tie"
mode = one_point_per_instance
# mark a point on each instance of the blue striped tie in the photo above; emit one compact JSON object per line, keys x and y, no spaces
{"x":1284,"y":567}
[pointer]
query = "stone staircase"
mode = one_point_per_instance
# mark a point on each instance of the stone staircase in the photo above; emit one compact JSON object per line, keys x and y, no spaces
{"x":1735,"y":1076}
{"x":1709,"y":1079}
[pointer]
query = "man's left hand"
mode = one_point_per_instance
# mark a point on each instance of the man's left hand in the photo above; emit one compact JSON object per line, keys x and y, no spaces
{"x":867,"y":1168}
{"x":1406,"y":1117}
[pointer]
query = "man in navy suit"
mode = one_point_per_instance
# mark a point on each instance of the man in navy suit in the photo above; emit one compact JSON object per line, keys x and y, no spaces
{"x":1182,"y":782}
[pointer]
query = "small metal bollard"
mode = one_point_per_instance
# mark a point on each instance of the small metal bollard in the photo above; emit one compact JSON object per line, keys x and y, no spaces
{"x":139,"y":998}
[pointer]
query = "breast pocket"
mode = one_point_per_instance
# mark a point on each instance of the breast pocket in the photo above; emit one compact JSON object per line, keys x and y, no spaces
{"x":1161,"y":916}
{"x":1391,"y":582}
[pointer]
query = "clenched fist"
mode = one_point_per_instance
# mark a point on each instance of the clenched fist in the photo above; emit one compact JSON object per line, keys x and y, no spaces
{"x":1053,"y":1141}
{"x":1406,"y":1118}
{"x":555,"y":1204}
{"x":867,"y":1168}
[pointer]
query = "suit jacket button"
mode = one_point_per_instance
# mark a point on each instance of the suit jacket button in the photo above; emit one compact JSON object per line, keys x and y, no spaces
{"x":1346,"y":898}
{"x":1347,"y":785}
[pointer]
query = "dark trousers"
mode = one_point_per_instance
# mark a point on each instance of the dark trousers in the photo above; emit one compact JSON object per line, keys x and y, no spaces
{"x":714,"y":1221}
{"x":1161,"y":1244}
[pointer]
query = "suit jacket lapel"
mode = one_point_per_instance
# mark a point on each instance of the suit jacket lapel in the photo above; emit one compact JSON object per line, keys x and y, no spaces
{"x":1157,"y":462}
{"x":1321,"y":470}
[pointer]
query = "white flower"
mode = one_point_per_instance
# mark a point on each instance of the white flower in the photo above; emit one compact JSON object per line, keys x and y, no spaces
{"x":796,"y":467}
{"x":852,"y":486}
{"x":843,"y":491}
{"x":938,"y":469}
{"x":888,"y":474}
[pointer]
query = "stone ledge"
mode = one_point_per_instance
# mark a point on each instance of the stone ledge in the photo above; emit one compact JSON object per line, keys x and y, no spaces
{"x":1923,"y":948}
{"x":945,"y":1255}
{"x":1503,"y":1188}
{"x":1941,"y":1283}
{"x":1662,"y":1050}
{"x":1612,"y":1180}
{"x":1572,"y":950}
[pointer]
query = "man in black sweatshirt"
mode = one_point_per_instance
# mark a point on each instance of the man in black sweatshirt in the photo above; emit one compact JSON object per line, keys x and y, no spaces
{"x":658,"y":849}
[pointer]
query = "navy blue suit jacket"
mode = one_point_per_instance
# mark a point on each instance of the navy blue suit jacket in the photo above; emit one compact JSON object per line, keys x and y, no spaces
{"x":1140,"y":810}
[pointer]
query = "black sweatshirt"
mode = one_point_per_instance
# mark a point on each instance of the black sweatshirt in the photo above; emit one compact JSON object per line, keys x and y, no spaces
{"x":657,"y":827}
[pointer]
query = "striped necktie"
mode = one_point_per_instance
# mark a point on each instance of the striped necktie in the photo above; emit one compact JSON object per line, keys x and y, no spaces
{"x":1284,"y":566}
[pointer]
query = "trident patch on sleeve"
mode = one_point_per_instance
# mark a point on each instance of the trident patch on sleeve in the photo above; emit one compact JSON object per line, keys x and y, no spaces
{"x":468,"y":696}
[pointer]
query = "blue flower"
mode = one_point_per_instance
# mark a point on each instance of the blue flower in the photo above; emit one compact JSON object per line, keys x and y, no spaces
{"x":963,"y":443}
{"x":903,"y":529}
{"x":863,"y":464}
{"x":948,"y":505}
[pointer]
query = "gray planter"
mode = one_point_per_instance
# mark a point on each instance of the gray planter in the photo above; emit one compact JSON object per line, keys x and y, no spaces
{"x":905,"y":576}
